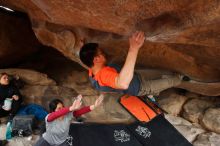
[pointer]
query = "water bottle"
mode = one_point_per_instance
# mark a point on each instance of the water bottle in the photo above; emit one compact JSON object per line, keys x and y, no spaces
{"x":8,"y":131}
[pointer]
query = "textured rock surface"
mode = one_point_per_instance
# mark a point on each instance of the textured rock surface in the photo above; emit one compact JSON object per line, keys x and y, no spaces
{"x":44,"y":94}
{"x":171,"y":102}
{"x":211,"y":89}
{"x":17,"y":39}
{"x":192,"y":95}
{"x":211,"y":119}
{"x":29,"y":76}
{"x":194,"y":109}
{"x":79,"y":81}
{"x":183,"y":36}
{"x":207,"y":139}
{"x":188,"y":130}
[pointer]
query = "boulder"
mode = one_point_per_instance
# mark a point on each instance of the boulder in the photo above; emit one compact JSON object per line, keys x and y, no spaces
{"x":192,"y":95}
{"x":30,"y":77}
{"x":211,"y":119}
{"x":179,"y":40}
{"x":42,"y":95}
{"x":194,"y":109}
{"x":188,"y":130}
{"x":79,"y":81}
{"x":207,"y":139}
{"x":172,"y":102}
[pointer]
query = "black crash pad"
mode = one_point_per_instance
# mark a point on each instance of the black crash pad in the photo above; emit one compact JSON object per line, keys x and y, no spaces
{"x":157,"y":132}
{"x":102,"y":135}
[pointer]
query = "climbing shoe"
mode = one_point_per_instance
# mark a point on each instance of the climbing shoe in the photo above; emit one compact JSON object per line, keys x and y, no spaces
{"x":186,"y":78}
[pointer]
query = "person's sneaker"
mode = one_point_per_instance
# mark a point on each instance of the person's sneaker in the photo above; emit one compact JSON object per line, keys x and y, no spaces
{"x":183,"y":77}
{"x":186,"y":78}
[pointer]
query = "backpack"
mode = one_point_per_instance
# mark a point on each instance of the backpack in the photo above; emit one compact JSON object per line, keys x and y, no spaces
{"x":33,"y":109}
{"x":23,"y":125}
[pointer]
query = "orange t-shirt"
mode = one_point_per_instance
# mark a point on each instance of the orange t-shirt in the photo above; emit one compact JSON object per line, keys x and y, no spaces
{"x":106,"y":76}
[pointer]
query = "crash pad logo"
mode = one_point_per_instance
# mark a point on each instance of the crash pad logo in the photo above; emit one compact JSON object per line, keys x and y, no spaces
{"x":121,"y":135}
{"x":69,"y":140}
{"x":143,"y":131}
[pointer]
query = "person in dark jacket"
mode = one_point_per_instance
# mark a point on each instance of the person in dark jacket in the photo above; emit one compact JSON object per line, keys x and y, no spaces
{"x":8,"y":92}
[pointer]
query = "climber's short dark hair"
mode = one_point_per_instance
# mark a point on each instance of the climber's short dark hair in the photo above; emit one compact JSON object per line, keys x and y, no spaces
{"x":88,"y":52}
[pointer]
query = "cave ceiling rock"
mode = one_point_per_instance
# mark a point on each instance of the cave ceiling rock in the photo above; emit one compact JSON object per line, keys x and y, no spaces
{"x":183,"y":36}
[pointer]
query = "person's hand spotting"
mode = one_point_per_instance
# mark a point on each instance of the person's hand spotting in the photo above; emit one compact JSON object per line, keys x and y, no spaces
{"x":98,"y":102}
{"x":76,"y":104}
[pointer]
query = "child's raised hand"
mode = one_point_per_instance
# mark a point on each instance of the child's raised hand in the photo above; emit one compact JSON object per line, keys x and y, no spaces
{"x":97,"y":102}
{"x":76,"y":104}
{"x":79,"y":97}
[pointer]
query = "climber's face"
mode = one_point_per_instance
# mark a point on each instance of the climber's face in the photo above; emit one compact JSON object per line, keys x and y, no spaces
{"x":100,"y":58}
